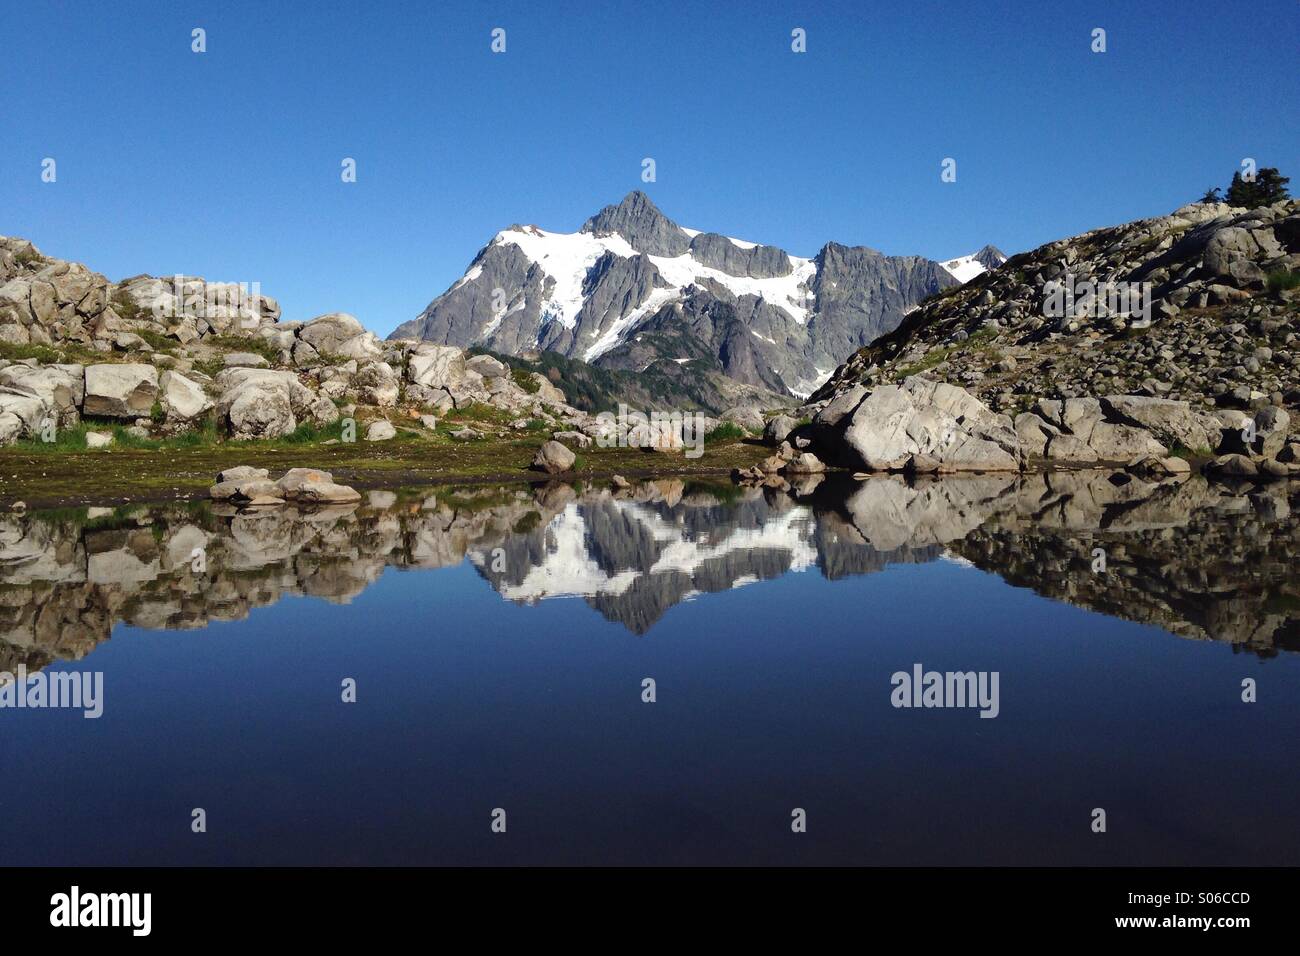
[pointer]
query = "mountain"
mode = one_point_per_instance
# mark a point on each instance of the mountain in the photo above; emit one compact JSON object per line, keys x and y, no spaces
{"x":1217,"y":284}
{"x":633,"y":289}
{"x":965,"y":268}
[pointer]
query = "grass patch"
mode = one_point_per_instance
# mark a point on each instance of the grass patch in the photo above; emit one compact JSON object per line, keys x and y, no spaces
{"x":1280,"y":280}
{"x":239,"y":343}
{"x":726,"y":432}
{"x":979,"y":341}
{"x":1190,"y":454}
{"x":309,"y":433}
{"x":524,"y":379}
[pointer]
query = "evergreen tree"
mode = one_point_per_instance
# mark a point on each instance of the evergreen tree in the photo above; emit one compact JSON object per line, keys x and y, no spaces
{"x":1240,"y":192}
{"x":1269,"y":187}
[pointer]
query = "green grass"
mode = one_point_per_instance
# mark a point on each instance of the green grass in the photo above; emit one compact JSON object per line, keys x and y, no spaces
{"x":67,"y":352}
{"x":524,"y":379}
{"x":978,"y":341}
{"x":1283,"y":279}
{"x":726,"y":432}
{"x":1190,"y":454}
{"x":239,"y":343}
{"x":311,"y":434}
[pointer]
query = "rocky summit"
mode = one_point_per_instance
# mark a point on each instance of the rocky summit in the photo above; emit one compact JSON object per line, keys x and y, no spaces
{"x":1152,"y":344}
{"x":632,"y":290}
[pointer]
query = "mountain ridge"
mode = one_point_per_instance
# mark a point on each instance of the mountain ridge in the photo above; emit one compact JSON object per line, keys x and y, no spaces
{"x":630,"y":268}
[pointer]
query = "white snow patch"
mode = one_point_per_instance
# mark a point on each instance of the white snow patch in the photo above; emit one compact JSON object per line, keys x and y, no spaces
{"x":470,"y":276}
{"x":805,"y":387}
{"x":566,"y":258}
{"x":965,"y":268}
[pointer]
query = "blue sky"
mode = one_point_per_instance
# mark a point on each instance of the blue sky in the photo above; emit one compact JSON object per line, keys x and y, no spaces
{"x":226,"y":164}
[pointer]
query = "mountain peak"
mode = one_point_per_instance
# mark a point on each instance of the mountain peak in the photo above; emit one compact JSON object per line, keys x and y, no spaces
{"x":638,"y":220}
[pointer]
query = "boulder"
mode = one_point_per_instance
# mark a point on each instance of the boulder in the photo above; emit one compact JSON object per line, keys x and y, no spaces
{"x":436,"y":366}
{"x":120,"y":391}
{"x":778,"y":429}
{"x":891,"y":423}
{"x":1034,"y":433}
{"x":573,"y":438}
{"x":293,"y":481}
{"x":182,"y":399}
{"x":326,"y":493}
{"x":266,"y":403}
{"x":98,"y":440}
{"x":1232,"y":466}
{"x":748,"y":417}
{"x":241,"y":473}
{"x":377,"y":384}
{"x":245,"y":360}
{"x":486,"y":366}
{"x":62,"y":387}
{"x":553,"y":458}
{"x":1112,"y":442}
{"x":1069,"y":449}
{"x":380,"y":430}
{"x":1169,"y":422}
{"x":805,"y":463}
{"x":328,"y":334}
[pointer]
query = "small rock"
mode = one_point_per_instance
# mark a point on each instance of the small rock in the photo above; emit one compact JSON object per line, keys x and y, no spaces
{"x":553,"y":458}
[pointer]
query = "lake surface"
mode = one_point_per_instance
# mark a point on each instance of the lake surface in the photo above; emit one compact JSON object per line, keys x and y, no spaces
{"x":499,"y":639}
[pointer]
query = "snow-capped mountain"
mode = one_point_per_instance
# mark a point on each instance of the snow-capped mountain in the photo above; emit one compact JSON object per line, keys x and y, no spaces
{"x":632,"y":288}
{"x":965,"y":268}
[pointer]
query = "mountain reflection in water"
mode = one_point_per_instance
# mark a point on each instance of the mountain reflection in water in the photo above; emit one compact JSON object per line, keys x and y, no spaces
{"x":1199,"y":560}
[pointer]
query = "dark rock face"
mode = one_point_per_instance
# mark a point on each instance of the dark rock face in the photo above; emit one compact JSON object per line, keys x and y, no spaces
{"x":862,"y":294}
{"x":769,"y":320}
{"x":613,"y":288}
{"x":640,"y":222}
{"x":990,"y":257}
{"x":465,"y":313}
{"x":759,"y":262}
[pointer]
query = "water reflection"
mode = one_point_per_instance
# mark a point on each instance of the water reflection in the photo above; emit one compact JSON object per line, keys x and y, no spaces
{"x":1200,"y":560}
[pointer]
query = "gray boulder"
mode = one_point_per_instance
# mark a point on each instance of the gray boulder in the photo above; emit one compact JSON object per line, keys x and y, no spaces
{"x":892,"y":423}
{"x":553,"y":458}
{"x":120,"y":391}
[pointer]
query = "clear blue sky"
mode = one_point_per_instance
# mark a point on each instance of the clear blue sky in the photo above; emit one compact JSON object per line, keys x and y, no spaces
{"x":226,"y":164}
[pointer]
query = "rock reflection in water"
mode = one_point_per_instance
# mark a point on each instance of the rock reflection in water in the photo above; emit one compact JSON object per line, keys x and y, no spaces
{"x":1197,"y":559}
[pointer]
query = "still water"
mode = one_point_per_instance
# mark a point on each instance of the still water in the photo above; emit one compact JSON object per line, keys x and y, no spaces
{"x":500,"y":639}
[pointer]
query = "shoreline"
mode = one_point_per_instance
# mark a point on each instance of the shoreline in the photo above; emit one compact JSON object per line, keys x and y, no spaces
{"x":44,"y":480}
